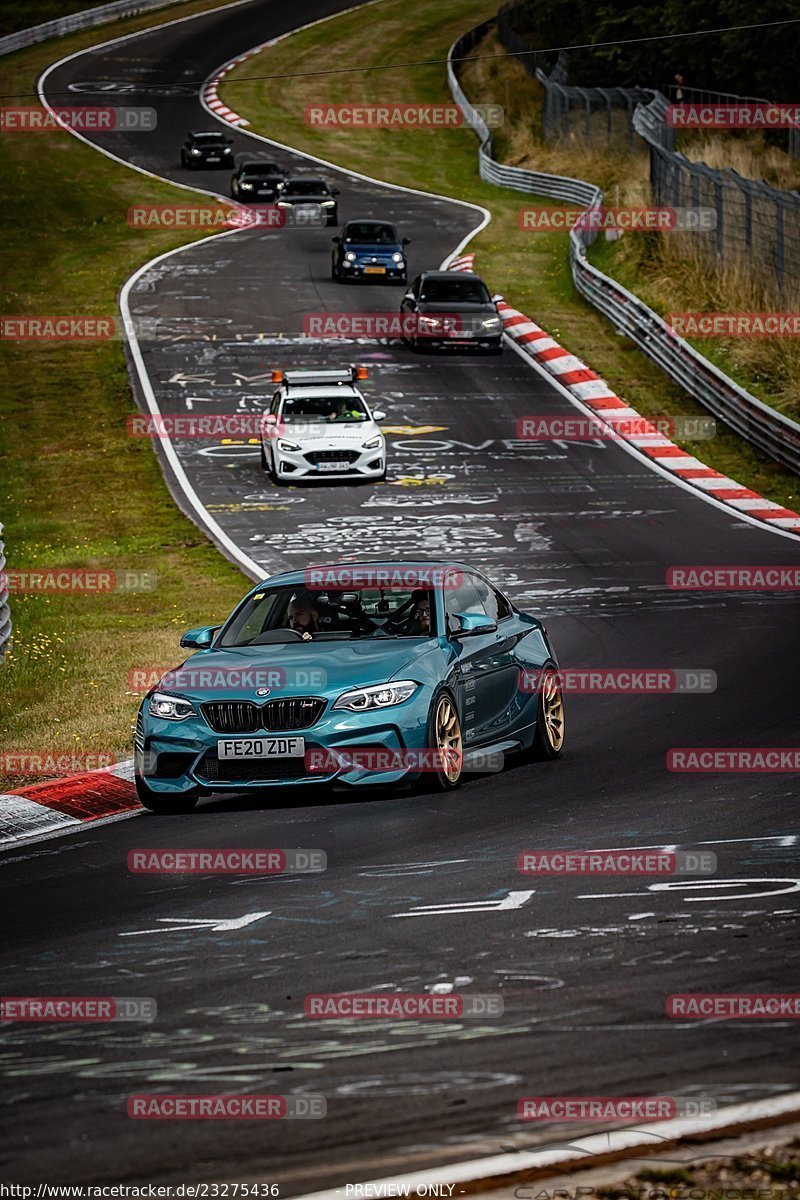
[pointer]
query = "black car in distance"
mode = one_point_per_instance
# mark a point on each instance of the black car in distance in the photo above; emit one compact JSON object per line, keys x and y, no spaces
{"x":256,"y":180}
{"x":203,"y":149}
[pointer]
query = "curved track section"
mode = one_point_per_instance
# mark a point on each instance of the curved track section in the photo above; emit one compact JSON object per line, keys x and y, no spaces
{"x":582,"y":533}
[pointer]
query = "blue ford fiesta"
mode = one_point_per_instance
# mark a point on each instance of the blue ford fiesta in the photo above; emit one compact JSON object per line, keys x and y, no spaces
{"x":360,"y":673}
{"x":369,"y":250}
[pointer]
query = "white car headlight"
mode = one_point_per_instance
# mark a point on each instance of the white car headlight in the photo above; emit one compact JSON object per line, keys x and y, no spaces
{"x":350,"y":256}
{"x":382,"y":695}
{"x":284,"y":204}
{"x":434,"y":322}
{"x":397,"y":257}
{"x":282,"y":444}
{"x":194,"y":150}
{"x":373,"y":443}
{"x":246,"y":187}
{"x":327,"y":203}
{"x":170,"y":708}
{"x":227,"y":150}
{"x":492,"y":323}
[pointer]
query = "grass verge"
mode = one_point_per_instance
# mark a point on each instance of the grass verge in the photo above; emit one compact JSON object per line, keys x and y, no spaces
{"x":530,"y":269}
{"x":76,"y":490}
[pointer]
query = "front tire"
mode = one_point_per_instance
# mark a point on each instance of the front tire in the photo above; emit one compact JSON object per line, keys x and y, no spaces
{"x":444,"y":737}
{"x":548,"y":740}
{"x":163,"y":802}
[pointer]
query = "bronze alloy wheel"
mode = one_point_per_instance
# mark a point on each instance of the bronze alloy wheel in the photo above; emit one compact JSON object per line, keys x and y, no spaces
{"x":447,"y":739}
{"x":553,"y":710}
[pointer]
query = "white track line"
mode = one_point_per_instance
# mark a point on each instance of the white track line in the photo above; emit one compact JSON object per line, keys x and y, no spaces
{"x":578,"y":1150}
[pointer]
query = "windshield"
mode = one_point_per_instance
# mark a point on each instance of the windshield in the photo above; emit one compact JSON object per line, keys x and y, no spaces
{"x":305,"y":187}
{"x":449,"y":291}
{"x":288,"y":614}
{"x":209,"y":137}
{"x":366,"y":233}
{"x":331,"y":409}
{"x":260,"y":168}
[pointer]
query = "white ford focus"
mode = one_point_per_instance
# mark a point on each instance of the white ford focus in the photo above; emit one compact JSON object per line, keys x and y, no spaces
{"x":319,"y":426}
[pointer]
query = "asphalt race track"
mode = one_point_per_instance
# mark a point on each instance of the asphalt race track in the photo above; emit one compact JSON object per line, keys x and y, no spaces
{"x":580,"y":533}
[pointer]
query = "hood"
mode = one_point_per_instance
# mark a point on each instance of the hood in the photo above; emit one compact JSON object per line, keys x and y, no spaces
{"x":298,"y":669}
{"x":317,"y":437}
{"x":457,"y":306}
{"x":365,"y":250}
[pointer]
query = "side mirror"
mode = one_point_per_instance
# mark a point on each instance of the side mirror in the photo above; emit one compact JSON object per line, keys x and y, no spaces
{"x":336,"y":239}
{"x":473,"y":623}
{"x":378,"y":415}
{"x":334,"y":191}
{"x":406,"y":242}
{"x":498,"y":299}
{"x":408,"y":296}
{"x":200,"y":638}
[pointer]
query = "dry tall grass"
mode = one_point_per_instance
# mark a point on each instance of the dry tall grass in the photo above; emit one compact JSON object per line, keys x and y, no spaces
{"x":671,"y":272}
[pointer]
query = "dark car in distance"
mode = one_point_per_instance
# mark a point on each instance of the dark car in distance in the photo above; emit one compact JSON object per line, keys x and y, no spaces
{"x":453,"y":308}
{"x":309,"y":195}
{"x":367,"y":249}
{"x":257,"y":180}
{"x":204,"y":149}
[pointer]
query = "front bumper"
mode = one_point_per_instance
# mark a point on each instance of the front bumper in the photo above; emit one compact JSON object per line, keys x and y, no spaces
{"x":294,"y":465}
{"x":174,"y":757}
{"x":372,"y":271}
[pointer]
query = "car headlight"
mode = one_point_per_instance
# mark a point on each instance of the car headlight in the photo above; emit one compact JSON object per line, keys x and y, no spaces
{"x":492,"y":323}
{"x":170,"y":708}
{"x":284,"y":204}
{"x":282,"y":444}
{"x":382,"y":695}
{"x":327,"y":203}
{"x":227,"y":150}
{"x":246,"y":187}
{"x":195,"y":151}
{"x":349,"y":256}
{"x":397,"y":258}
{"x":434,"y":322}
{"x":373,"y":443}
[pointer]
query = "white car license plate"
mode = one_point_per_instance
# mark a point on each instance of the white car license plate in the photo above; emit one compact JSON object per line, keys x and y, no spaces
{"x":262,"y":747}
{"x":336,"y":465}
{"x":212,"y":160}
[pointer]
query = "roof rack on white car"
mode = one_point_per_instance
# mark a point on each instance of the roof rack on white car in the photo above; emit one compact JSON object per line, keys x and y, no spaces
{"x":312,"y":377}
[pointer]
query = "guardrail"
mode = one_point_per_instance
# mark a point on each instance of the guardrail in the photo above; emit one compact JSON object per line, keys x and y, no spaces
{"x":86,"y":19}
{"x":762,"y":426}
{"x":5,"y":610}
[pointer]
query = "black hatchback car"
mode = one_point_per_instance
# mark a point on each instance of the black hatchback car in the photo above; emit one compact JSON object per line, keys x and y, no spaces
{"x":453,"y":308}
{"x":369,"y":250}
{"x":256,"y":180}
{"x":309,"y":195}
{"x":211,"y":150}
